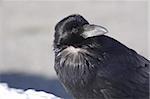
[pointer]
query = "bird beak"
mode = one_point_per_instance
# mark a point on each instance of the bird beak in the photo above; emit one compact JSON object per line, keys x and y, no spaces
{"x":91,"y":30}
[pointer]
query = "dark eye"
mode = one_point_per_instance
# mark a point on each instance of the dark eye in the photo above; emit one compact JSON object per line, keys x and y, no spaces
{"x":74,"y":30}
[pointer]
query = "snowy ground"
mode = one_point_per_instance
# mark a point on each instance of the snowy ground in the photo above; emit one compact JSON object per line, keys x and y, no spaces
{"x":36,"y":82}
{"x":7,"y":93}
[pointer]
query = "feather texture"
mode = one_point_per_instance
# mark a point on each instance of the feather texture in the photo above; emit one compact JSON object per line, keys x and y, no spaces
{"x":101,"y":67}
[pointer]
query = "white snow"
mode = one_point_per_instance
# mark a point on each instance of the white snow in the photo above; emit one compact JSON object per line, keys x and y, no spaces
{"x":12,"y":93}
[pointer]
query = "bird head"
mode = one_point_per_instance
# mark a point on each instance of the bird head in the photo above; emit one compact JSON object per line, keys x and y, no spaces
{"x":74,"y":29}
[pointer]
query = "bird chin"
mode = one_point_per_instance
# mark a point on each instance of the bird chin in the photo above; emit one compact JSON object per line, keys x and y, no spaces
{"x":72,"y":56}
{"x":72,"y":50}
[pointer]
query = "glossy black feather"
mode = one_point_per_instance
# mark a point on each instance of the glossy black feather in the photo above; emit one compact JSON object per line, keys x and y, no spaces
{"x":101,"y":68}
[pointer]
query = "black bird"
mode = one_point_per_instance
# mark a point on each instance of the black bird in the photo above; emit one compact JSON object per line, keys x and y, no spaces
{"x":92,"y":65}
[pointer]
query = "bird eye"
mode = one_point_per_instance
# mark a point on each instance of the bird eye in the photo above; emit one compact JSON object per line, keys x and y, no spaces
{"x":74,"y":30}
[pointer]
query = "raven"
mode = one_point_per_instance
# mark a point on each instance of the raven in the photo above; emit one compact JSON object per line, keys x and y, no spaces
{"x":92,"y":65}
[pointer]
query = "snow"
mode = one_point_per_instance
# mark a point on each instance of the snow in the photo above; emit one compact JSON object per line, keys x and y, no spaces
{"x":12,"y":93}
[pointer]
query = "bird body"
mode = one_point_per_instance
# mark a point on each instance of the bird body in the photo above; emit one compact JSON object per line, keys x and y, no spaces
{"x":95,"y":66}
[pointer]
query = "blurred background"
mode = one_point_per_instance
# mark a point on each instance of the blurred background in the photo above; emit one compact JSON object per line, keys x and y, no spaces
{"x":27,"y":29}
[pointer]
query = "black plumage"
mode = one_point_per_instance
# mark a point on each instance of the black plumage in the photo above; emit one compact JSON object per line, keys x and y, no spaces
{"x":91,"y":65}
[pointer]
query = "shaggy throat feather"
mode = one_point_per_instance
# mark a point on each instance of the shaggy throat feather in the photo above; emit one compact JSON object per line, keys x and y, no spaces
{"x":72,"y":56}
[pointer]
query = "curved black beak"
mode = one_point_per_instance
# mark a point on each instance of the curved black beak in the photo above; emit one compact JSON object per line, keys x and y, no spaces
{"x":90,"y":30}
